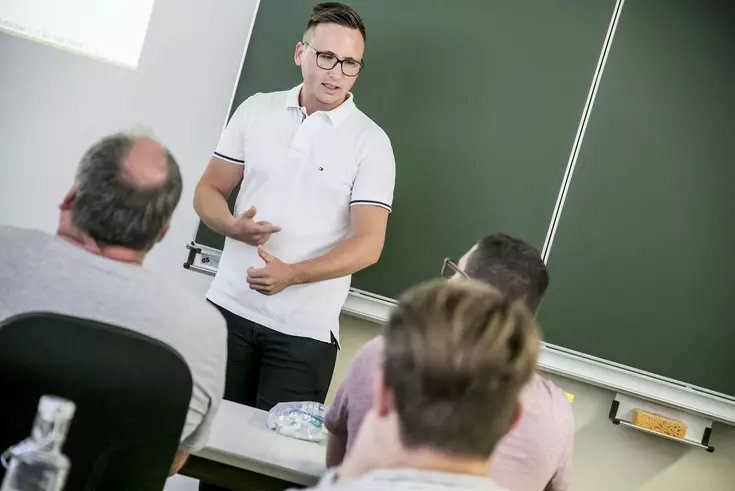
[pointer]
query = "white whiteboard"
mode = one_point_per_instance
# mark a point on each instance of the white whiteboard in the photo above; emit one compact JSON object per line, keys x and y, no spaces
{"x":111,"y":30}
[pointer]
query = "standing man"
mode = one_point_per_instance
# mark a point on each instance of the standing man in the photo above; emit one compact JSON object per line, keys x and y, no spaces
{"x":317,"y":186}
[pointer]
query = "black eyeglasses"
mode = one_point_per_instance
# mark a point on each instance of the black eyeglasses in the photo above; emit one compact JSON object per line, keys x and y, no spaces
{"x":326,"y":61}
{"x":451,"y":268}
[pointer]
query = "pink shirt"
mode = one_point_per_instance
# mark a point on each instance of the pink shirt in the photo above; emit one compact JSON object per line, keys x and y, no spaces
{"x":535,"y":456}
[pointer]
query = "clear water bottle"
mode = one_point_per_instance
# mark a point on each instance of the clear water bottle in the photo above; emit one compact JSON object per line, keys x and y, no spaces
{"x":36,"y":463}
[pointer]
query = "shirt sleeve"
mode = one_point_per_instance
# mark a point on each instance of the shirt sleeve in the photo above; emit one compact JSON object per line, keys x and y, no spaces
{"x":354,"y":396}
{"x":338,"y":413}
{"x":197,"y":439}
{"x":376,"y":176}
{"x":231,"y":145}
{"x":209,"y":387}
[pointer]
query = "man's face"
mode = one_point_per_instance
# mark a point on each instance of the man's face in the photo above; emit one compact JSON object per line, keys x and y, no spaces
{"x":328,"y":88}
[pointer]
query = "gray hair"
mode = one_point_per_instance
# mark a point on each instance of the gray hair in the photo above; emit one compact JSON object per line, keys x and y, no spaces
{"x":111,"y":207}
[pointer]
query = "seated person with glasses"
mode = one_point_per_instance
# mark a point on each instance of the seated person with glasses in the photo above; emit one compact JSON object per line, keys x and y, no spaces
{"x":537,"y":454}
{"x":447,"y":388}
{"x":119,"y":208}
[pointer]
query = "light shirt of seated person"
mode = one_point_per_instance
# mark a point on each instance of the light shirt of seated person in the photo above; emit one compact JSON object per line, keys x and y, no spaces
{"x":125,"y":192}
{"x":456,"y":357}
{"x":537,"y":454}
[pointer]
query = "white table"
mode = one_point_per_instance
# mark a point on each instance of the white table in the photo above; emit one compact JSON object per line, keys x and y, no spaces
{"x":240,"y":444}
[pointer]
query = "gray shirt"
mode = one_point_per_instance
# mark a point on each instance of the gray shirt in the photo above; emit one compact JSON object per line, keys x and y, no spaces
{"x":41,"y":272}
{"x":408,"y":480}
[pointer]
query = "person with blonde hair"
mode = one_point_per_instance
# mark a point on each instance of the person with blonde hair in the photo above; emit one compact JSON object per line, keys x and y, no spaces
{"x":456,"y":357}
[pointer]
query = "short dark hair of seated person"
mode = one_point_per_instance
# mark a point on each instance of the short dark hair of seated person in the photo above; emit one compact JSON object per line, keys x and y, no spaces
{"x":538,"y":454}
{"x":510,"y":265}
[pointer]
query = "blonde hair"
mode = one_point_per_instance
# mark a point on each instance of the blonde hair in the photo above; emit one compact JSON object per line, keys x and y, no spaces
{"x":457,"y":355}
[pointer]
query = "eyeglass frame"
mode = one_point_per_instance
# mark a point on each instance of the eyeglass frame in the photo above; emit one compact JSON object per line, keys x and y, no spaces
{"x":338,"y":62}
{"x":452,"y":264}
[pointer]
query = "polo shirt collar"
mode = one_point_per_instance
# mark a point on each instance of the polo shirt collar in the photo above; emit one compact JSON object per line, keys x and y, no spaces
{"x":336,"y":115}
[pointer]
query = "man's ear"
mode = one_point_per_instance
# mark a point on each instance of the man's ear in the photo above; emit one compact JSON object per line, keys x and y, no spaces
{"x":69,"y":199}
{"x":298,"y":53}
{"x":384,"y":402}
{"x":66,"y":219}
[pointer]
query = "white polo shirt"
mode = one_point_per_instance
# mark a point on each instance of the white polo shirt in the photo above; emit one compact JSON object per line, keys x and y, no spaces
{"x":302,"y":173}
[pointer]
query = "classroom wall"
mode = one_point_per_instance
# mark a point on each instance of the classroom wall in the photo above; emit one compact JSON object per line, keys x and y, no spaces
{"x":54,"y":104}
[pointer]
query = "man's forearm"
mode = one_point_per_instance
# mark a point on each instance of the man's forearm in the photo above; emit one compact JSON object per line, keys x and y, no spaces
{"x":179,"y":460}
{"x":350,"y":256}
{"x":212,"y":208}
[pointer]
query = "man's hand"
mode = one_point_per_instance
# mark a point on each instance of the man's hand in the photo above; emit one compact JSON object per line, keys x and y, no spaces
{"x":275,"y":277}
{"x":247,"y":230}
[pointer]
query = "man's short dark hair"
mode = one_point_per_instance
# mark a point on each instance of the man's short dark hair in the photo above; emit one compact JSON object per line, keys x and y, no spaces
{"x":111,"y":207}
{"x":336,"y":13}
{"x":512,"y":266}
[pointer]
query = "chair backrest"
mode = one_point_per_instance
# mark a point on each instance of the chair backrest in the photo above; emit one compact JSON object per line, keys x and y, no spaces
{"x":132,"y":395}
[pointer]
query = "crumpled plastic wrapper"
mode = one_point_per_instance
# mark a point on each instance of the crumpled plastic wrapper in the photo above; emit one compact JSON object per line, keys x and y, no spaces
{"x":301,"y":420}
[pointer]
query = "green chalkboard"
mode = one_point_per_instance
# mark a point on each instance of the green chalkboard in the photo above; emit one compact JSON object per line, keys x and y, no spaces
{"x":642,"y":266}
{"x":481,"y":100}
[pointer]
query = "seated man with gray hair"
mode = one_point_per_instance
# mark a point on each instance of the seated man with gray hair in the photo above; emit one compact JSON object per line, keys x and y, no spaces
{"x":120,"y":206}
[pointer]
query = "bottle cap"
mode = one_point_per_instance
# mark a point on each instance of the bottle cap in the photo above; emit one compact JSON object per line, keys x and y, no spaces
{"x":53,"y":420}
{"x":52,"y":408}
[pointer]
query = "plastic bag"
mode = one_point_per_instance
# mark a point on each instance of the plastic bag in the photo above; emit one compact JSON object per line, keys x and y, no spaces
{"x":302,"y":420}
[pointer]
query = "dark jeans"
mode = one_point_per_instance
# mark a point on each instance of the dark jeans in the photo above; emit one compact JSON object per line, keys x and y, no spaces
{"x":265,"y":367}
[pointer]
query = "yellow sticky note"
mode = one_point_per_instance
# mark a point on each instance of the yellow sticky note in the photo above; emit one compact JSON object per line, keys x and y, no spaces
{"x":570,"y":397}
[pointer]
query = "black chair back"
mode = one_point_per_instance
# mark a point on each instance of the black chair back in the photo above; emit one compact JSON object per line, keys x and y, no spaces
{"x":132,"y":395}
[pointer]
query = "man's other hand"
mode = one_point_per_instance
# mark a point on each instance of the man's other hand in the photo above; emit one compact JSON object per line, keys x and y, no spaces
{"x":246,"y":229}
{"x":274,"y":277}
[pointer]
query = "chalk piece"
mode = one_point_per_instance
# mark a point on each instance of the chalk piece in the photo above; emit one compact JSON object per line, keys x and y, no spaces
{"x":570,"y":397}
{"x":659,"y":424}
